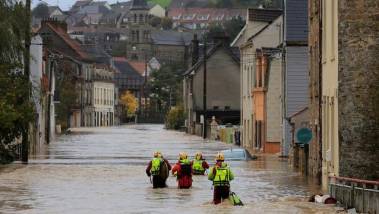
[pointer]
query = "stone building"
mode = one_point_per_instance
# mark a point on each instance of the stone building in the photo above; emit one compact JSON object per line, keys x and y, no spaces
{"x":315,"y":90}
{"x":139,"y":45}
{"x":145,"y":42}
{"x":343,"y":59}
{"x":358,"y":87}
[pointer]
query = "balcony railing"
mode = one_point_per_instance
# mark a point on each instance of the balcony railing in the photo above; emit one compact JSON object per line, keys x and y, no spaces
{"x":363,"y":195}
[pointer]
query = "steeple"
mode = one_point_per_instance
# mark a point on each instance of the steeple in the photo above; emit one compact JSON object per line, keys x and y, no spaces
{"x":139,"y":5}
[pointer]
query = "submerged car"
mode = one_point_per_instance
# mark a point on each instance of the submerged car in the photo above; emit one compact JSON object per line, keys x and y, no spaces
{"x":237,"y":155}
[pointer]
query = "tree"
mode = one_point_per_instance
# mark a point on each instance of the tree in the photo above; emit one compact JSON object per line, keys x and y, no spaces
{"x":166,"y":23}
{"x":41,"y":11}
{"x":165,"y":85}
{"x":129,"y":102}
{"x":67,"y":87}
{"x":230,"y":28}
{"x":119,"y":50}
{"x":155,"y":21}
{"x":16,"y":110}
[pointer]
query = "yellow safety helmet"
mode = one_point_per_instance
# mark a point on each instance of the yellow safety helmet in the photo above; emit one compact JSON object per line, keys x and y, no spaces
{"x":198,"y":154}
{"x":183,"y":156}
{"x":220,"y":156}
{"x":157,"y":154}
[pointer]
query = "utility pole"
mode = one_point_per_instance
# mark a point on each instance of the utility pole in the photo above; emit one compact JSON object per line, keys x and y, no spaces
{"x":205,"y":90}
{"x":25,"y":134}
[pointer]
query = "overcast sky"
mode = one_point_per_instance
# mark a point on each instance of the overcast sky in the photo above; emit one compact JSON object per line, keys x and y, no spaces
{"x":65,"y":4}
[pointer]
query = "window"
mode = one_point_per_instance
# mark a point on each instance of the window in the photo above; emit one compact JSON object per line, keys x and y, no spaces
{"x":227,"y":108}
{"x":141,"y":18}
{"x":135,"y":18}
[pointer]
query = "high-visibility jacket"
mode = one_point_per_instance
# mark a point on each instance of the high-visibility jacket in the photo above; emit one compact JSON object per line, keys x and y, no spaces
{"x":156,"y":166}
{"x":221,"y":175}
{"x":197,"y":167}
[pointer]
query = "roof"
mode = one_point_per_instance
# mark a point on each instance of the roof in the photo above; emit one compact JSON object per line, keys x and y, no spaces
{"x":138,"y":66}
{"x":97,"y":54}
{"x":168,"y":37}
{"x":123,"y":67}
{"x":298,"y":112}
{"x":204,"y":15}
{"x":187,"y":3}
{"x":210,"y":52}
{"x":139,"y":5}
{"x":263,"y":15}
{"x":53,"y":8}
{"x":263,"y":29}
{"x":238,"y":36}
{"x":81,"y":3}
{"x":74,"y":45}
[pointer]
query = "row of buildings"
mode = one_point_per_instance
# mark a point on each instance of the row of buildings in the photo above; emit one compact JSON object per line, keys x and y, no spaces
{"x":73,"y":85}
{"x":312,"y":67}
{"x":308,"y":90}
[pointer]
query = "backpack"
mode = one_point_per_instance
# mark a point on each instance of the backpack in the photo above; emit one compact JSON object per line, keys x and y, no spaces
{"x":164,"y":172}
{"x":234,"y":199}
{"x":185,"y":170}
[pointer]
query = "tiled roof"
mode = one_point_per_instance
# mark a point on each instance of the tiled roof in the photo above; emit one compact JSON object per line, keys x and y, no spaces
{"x":263,"y":15}
{"x":123,"y":67}
{"x":81,"y":3}
{"x":171,"y":38}
{"x":97,"y":54}
{"x":74,"y":45}
{"x":138,"y":66}
{"x":201,"y":15}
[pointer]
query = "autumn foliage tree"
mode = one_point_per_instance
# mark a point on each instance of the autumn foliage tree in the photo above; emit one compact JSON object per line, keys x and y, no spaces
{"x":129,"y":102}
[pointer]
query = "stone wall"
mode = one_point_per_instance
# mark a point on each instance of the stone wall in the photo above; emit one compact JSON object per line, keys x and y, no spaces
{"x":314,"y":43}
{"x":359,"y":88}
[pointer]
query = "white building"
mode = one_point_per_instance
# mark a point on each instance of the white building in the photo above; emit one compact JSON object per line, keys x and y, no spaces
{"x":99,"y":96}
{"x":259,"y":31}
{"x":43,"y":88}
{"x":157,"y":10}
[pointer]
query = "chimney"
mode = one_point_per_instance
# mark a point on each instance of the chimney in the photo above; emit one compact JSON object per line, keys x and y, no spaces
{"x":195,"y":50}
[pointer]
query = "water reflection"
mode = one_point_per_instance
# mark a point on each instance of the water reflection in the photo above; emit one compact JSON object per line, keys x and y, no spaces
{"x":102,"y":171}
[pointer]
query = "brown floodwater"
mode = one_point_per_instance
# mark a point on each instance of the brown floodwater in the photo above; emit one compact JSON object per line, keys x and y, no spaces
{"x":102,"y":170}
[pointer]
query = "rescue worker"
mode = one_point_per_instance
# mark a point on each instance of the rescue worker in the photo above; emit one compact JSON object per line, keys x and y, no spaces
{"x":159,"y":168}
{"x":199,"y":165}
{"x":221,"y":175}
{"x":183,"y":171}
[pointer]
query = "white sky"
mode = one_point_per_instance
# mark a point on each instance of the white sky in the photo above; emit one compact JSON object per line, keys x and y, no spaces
{"x":65,"y":4}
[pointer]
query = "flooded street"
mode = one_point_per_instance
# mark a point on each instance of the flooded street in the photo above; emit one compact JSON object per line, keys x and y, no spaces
{"x":102,"y":170}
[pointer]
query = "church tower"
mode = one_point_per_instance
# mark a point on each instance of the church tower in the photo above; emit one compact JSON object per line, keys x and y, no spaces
{"x":139,"y":43}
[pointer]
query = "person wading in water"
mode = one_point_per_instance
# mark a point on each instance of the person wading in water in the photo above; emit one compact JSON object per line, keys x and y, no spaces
{"x":159,"y":168}
{"x":221,"y":175}
{"x":183,"y":171}
{"x":199,"y":165}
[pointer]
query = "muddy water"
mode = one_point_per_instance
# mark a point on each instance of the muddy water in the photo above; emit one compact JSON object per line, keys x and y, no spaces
{"x":103,"y":171}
